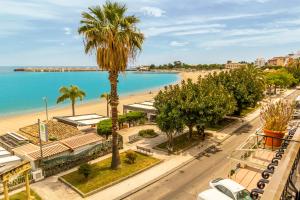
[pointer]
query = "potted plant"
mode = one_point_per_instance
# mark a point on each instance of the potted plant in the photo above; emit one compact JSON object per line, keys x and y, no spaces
{"x":275,"y":117}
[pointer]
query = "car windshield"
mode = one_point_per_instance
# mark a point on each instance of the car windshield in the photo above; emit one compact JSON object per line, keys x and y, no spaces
{"x":243,"y":195}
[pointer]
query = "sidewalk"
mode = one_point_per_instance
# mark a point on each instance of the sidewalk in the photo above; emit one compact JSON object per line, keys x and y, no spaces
{"x":52,"y":189}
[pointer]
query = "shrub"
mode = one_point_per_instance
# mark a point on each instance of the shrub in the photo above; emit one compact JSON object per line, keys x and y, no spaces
{"x":85,"y":170}
{"x":276,"y":116}
{"x":121,"y":120}
{"x":147,"y":133}
{"x":105,"y":127}
{"x":130,"y":156}
{"x":133,"y":117}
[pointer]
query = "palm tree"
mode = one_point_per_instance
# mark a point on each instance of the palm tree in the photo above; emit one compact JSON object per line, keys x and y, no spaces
{"x":115,"y":39}
{"x":72,"y":93}
{"x":106,"y":96}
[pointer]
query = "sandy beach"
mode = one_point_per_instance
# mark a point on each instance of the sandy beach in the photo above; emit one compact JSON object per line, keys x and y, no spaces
{"x":13,"y":123}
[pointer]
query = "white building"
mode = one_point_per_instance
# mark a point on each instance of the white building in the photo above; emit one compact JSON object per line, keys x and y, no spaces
{"x":260,"y":62}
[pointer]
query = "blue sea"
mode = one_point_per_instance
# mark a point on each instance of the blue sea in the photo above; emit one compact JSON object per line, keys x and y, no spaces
{"x":22,"y":92}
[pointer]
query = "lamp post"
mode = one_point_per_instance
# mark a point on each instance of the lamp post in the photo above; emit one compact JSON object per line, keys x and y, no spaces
{"x":46,"y":104}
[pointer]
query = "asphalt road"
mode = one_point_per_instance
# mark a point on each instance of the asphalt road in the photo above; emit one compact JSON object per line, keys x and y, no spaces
{"x":187,"y":182}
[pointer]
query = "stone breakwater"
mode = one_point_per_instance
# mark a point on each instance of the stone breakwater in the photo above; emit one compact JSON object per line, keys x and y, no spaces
{"x":57,"y":69}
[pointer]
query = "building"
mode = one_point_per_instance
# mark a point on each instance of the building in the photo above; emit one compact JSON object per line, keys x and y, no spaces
{"x":277,"y":61}
{"x":81,"y":121}
{"x":146,"y":107}
{"x":260,"y":62}
{"x":231,"y":65}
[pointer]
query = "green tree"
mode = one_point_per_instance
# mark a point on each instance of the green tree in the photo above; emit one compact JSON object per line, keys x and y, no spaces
{"x":214,"y":101}
{"x":188,"y":104}
{"x":168,"y":118}
{"x":115,"y":39}
{"x":85,"y":169}
{"x":106,"y":96}
{"x":104,"y":127}
{"x":72,"y":93}
{"x":294,"y":68}
{"x":279,"y":78}
{"x":247,"y":84}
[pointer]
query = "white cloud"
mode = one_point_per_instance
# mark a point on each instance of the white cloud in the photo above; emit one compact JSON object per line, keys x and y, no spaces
{"x":152,"y":11}
{"x":27,"y":9}
{"x":182,"y":29}
{"x":242,"y":1}
{"x":67,"y":31}
{"x":197,"y":32}
{"x":282,"y":37}
{"x":178,"y":44}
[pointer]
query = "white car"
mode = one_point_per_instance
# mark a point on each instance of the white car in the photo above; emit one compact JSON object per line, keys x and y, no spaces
{"x":212,"y":194}
{"x":230,"y":188}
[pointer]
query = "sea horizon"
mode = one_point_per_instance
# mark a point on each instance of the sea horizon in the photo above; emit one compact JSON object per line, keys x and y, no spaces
{"x":22,"y":92}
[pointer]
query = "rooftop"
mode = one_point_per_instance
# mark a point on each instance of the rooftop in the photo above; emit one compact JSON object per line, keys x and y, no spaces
{"x":81,"y":120}
{"x":48,"y":151}
{"x":143,"y":106}
{"x":81,"y":140}
{"x":56,"y":131}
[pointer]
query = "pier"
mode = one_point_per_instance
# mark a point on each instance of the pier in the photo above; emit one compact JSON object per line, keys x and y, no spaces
{"x":57,"y":69}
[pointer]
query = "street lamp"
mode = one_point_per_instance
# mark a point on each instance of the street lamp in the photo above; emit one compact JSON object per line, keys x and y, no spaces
{"x":46,"y":104}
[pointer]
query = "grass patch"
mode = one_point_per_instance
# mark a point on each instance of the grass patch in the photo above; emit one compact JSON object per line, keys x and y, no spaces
{"x":23,"y":196}
{"x":180,"y":142}
{"x":148,"y":133}
{"x":224,"y":122}
{"x":101,"y":174}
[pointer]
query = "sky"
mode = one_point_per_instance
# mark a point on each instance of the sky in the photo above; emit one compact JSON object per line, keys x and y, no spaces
{"x":44,"y":32}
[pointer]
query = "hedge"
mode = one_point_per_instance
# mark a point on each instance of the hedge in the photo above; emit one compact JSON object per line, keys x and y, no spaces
{"x":105,"y":127}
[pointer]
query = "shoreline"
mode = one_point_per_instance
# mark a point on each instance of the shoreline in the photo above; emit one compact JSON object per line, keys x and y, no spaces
{"x":18,"y":120}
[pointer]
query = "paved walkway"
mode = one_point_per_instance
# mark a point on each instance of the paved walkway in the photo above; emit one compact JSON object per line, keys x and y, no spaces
{"x":52,"y":189}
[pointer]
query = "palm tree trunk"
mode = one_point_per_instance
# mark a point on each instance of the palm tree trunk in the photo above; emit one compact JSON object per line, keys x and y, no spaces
{"x":73,"y":108}
{"x":114,"y":101}
{"x":107,"y":108}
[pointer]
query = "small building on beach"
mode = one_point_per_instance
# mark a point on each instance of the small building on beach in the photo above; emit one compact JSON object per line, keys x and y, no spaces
{"x":81,"y":121}
{"x":146,"y":107}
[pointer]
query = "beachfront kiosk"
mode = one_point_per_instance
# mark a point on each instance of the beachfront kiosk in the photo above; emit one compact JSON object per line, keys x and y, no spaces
{"x":146,"y":107}
{"x":81,"y":121}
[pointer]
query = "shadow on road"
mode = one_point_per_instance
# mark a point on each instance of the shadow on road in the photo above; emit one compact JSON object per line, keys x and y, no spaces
{"x":247,"y":128}
{"x":209,"y":152}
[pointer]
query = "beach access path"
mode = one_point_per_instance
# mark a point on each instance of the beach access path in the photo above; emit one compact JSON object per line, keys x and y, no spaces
{"x":52,"y":189}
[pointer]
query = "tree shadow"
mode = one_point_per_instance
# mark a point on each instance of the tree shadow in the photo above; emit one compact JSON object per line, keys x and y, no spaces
{"x":246,"y":128}
{"x":209,"y":152}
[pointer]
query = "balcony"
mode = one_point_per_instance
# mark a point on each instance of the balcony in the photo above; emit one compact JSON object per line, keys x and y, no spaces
{"x":268,"y":172}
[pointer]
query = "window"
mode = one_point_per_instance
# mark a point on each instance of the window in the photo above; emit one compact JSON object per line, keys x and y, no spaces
{"x":243,"y":195}
{"x":224,"y":190}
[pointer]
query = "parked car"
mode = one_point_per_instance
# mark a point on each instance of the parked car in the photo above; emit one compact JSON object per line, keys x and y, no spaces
{"x":212,"y":194}
{"x":230,"y":188}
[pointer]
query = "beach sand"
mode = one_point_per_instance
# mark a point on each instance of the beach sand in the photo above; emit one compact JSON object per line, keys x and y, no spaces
{"x":13,"y":123}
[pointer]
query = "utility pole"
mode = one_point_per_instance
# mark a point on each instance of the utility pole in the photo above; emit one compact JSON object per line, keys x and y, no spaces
{"x":46,"y":104}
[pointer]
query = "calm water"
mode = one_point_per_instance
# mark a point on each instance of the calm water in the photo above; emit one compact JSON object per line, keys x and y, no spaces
{"x":23,"y":91}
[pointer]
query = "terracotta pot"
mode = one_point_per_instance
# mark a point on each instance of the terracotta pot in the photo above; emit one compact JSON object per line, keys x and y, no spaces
{"x":272,"y":141}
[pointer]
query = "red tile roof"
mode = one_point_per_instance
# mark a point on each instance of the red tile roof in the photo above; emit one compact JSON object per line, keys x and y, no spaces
{"x":81,"y":140}
{"x":49,"y":151}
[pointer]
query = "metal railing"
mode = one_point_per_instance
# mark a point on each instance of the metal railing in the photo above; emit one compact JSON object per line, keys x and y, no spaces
{"x":269,"y":171}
